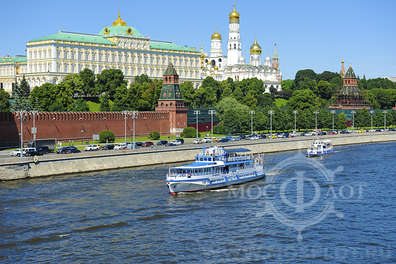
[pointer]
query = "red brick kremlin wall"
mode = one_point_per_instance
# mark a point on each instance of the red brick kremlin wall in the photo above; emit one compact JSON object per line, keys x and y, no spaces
{"x":78,"y":125}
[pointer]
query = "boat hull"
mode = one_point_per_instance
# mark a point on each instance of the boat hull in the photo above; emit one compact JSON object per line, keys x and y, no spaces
{"x":319,"y":153}
{"x":202,"y":185}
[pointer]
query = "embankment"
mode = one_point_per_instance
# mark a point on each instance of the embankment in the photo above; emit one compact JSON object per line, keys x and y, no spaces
{"x":12,"y":169}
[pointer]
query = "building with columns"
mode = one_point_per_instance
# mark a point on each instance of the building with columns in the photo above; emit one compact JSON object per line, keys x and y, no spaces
{"x":233,"y":65}
{"x":117,"y":46}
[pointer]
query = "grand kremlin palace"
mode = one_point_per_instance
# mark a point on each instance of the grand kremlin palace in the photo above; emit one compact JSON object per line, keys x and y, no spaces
{"x":119,"y":46}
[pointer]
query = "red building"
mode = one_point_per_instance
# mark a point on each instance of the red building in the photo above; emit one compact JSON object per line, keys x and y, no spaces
{"x":349,"y":96}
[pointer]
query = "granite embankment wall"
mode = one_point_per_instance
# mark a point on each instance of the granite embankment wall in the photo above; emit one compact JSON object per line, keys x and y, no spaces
{"x":79,"y":163}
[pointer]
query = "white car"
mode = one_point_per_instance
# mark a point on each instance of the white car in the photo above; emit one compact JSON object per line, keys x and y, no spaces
{"x":91,"y":148}
{"x":18,"y":152}
{"x":197,"y":141}
{"x":120,"y":146}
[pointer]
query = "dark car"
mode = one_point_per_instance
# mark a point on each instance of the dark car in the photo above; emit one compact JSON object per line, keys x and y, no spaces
{"x":66,"y":150}
{"x":139,"y":144}
{"x":262,"y":136}
{"x":180,"y":140}
{"x":148,"y":144}
{"x":224,"y":139}
{"x":107,"y":147}
{"x":162,"y":143}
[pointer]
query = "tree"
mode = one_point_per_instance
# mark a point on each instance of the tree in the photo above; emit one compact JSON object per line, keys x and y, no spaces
{"x":104,"y":103}
{"x":4,"y":101}
{"x":23,"y":89}
{"x":362,"y":118}
{"x":287,"y":85}
{"x":43,"y":96}
{"x":155,"y":135}
{"x":327,"y":76}
{"x":87,"y":77}
{"x":106,"y":136}
{"x":189,"y":132}
{"x":303,"y":100}
{"x":108,"y":81}
{"x":22,"y":92}
{"x":188,"y":92}
{"x":233,"y":116}
{"x":341,"y":121}
{"x":301,"y":75}
{"x":121,"y":101}
{"x":80,"y":105}
{"x":325,"y":90}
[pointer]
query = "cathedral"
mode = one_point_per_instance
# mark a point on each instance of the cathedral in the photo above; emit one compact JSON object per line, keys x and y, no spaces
{"x":233,"y":65}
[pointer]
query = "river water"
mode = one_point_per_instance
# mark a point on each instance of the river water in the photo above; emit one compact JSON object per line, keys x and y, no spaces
{"x":340,"y":209}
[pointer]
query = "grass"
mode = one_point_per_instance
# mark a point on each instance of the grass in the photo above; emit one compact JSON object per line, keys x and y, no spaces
{"x":93,"y":107}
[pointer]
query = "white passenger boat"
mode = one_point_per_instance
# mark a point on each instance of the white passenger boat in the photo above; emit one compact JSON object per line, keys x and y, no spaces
{"x":319,"y":148}
{"x":214,"y":168}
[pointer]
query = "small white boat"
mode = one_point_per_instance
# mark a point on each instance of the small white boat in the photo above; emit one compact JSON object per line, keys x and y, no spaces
{"x":319,"y":148}
{"x":214,"y":168}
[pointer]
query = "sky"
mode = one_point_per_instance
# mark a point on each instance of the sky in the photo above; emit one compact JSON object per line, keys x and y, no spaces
{"x":310,"y":34}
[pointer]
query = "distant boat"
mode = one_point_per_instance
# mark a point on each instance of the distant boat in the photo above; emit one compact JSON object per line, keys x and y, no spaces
{"x":319,"y":148}
{"x":216,"y":167}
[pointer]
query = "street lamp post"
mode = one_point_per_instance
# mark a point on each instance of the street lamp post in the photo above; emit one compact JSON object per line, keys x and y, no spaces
{"x":134,"y":116}
{"x":34,"y":129}
{"x":332,"y":118}
{"x":271,"y":112}
{"x":371,"y":116}
{"x":196,"y":112}
{"x":353,"y":120}
{"x":385,"y":111}
{"x":316,"y":119}
{"x":251,"y":120}
{"x":295,"y":120}
{"x":21,"y":115}
{"x":124,"y":113}
{"x":211,"y":112}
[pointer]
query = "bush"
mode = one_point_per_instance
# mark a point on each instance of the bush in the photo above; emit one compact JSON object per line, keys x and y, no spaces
{"x":189,"y":132}
{"x":106,"y":136}
{"x":155,"y":135}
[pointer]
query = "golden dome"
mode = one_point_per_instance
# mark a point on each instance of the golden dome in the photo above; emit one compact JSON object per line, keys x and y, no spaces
{"x":216,"y":35}
{"x":119,"y":21}
{"x":234,"y":15}
{"x":255,"y":48}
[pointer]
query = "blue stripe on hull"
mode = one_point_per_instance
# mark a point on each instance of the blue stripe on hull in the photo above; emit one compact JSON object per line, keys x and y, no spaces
{"x":191,"y":186}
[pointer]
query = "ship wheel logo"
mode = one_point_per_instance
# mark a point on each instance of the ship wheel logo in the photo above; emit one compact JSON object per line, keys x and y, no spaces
{"x":298,"y":193}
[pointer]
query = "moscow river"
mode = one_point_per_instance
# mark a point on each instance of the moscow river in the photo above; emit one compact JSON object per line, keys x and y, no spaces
{"x":339,"y":209}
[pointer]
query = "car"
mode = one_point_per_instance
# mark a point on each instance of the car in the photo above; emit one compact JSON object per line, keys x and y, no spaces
{"x":392,"y":129}
{"x":253,"y":137}
{"x":92,"y":147}
{"x":236,"y":138}
{"x":180,"y":140}
{"x":139,"y":144}
{"x":361,"y":131}
{"x":67,"y":150}
{"x":148,"y":144}
{"x":280,"y":135}
{"x":41,"y":150}
{"x":31,"y":152}
{"x":371,"y":130}
{"x":17,"y":152}
{"x":107,"y":147}
{"x":162,"y":143}
{"x":332,"y":132}
{"x":174,"y":143}
{"x":274,"y":136}
{"x":120,"y":146}
{"x":262,"y":136}
{"x":224,"y":139}
{"x":197,"y":141}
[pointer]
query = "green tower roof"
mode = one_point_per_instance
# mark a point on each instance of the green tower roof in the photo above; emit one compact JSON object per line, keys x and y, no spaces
{"x":350,"y":74}
{"x":170,"y":70}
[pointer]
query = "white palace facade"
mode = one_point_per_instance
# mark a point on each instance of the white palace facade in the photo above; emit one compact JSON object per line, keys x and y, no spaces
{"x":233,"y":65}
{"x":119,"y":46}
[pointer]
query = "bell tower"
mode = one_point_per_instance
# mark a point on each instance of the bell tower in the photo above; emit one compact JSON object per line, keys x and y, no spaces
{"x":171,"y":101}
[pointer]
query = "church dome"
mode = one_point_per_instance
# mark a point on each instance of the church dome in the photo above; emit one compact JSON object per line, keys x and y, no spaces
{"x":234,"y":15}
{"x":120,"y":28}
{"x":255,"y":48}
{"x":216,"y":35}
